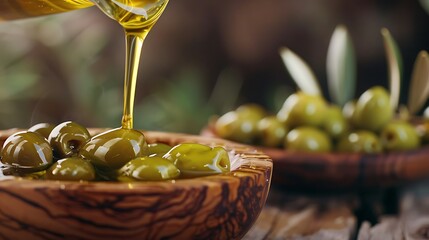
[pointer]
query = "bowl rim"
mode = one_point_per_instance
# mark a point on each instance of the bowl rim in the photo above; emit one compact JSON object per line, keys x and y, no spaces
{"x":253,"y":159}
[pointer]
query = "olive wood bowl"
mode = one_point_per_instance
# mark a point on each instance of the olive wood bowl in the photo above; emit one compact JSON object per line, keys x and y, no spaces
{"x":344,"y":171}
{"x":214,"y":207}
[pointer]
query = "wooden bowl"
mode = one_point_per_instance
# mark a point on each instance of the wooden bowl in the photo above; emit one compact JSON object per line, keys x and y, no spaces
{"x":215,"y":207}
{"x":339,"y":171}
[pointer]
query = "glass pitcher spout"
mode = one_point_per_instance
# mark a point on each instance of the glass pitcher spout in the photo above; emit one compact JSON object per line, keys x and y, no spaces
{"x":17,"y":9}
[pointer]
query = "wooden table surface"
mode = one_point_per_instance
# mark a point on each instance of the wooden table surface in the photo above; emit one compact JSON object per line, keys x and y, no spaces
{"x":395,"y":213}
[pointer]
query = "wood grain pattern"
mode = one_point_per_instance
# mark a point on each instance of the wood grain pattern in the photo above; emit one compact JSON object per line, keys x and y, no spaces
{"x":340,"y":170}
{"x":215,"y":207}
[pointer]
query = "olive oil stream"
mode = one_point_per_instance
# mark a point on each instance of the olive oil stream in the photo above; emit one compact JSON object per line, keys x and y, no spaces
{"x":137,"y":17}
{"x":107,"y":155}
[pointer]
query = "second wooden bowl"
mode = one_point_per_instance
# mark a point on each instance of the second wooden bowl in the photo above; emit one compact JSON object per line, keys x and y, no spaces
{"x":339,"y":171}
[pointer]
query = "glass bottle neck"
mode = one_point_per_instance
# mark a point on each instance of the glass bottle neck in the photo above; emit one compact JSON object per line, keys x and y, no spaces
{"x":18,"y":9}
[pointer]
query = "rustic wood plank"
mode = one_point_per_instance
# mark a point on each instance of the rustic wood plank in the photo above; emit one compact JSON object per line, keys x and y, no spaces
{"x":390,"y":227}
{"x":415,"y":213}
{"x":412,"y":221}
{"x":304,"y":217}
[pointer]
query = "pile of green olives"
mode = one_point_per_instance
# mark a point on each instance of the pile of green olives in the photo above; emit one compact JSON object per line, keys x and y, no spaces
{"x":308,"y":123}
{"x":68,"y":152}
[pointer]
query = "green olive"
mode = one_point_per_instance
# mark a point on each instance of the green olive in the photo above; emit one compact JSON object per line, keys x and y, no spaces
{"x":272,"y":131}
{"x":240,"y":125}
{"x":399,"y":136}
{"x":334,"y":123}
{"x":67,"y":138}
{"x":195,"y":160}
{"x":112,"y":149}
{"x":349,"y":112}
{"x":43,"y":129}
{"x":423,"y":131}
{"x":157,"y":149}
{"x":27,"y":151}
{"x":235,"y":127}
{"x":373,"y":109}
{"x":361,"y":141}
{"x":302,"y":109}
{"x":251,"y":111}
{"x":71,"y":169}
{"x":151,"y":168}
{"x":307,"y":139}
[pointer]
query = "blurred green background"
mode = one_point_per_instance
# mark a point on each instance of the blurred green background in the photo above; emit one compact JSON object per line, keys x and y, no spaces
{"x":201,"y":59}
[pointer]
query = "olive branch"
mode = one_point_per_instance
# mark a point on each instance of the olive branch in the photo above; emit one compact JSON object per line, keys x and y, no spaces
{"x":341,"y":72}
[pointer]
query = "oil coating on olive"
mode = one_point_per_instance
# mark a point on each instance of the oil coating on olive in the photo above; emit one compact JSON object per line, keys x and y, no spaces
{"x":67,"y":138}
{"x":361,"y":141}
{"x":399,"y":136}
{"x":307,"y":139}
{"x":153,"y":168}
{"x":43,"y":129}
{"x":272,"y":132}
{"x":195,"y":160}
{"x":71,"y":169}
{"x":251,"y":111}
{"x":373,"y":109}
{"x":301,"y":109}
{"x":334,"y":123}
{"x":28,"y":151}
{"x":349,"y":112}
{"x":112,"y":149}
{"x":235,"y":127}
{"x":157,"y":149}
{"x":240,"y":125}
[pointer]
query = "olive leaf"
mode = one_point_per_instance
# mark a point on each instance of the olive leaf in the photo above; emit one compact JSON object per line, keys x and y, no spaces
{"x":425,"y":4}
{"x":394,"y":61}
{"x":229,"y":81}
{"x":341,"y":66}
{"x":300,"y":72}
{"x":419,"y":86}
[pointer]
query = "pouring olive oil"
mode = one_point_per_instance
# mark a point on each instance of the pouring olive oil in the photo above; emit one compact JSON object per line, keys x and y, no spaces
{"x":121,"y":154}
{"x":137,"y":17}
